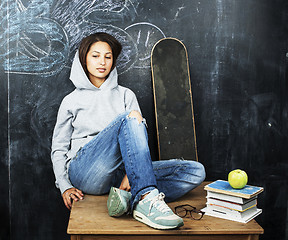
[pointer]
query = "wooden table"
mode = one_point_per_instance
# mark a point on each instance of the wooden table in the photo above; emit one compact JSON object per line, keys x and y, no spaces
{"x":89,"y":220}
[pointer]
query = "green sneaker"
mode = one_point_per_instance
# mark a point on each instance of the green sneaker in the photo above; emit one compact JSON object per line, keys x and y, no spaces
{"x":118,"y":202}
{"x":154,"y":212}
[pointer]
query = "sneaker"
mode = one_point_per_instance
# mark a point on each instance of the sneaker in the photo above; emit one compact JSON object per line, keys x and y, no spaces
{"x":118,"y":202}
{"x":154,"y":212}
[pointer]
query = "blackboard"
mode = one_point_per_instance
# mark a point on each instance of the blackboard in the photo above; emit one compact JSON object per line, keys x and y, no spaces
{"x":237,"y":54}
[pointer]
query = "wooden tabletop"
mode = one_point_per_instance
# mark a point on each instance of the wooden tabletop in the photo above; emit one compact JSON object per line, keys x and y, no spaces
{"x":90,"y":216}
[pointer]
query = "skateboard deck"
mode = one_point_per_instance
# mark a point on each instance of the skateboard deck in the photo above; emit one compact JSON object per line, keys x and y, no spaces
{"x":173,"y":100}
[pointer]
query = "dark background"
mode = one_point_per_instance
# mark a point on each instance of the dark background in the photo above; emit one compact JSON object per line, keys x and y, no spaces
{"x":238,"y":65}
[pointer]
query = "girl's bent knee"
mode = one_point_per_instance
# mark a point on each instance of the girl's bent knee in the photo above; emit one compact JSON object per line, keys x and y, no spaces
{"x":197,"y":172}
{"x":137,"y":115}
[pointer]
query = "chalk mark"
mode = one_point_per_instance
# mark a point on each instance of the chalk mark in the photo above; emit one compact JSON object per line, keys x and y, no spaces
{"x":147,"y":34}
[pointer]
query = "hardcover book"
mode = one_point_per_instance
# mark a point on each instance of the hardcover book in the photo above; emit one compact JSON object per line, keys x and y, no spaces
{"x":232,"y":205}
{"x":232,"y":215}
{"x":221,"y":186}
{"x":229,"y":198}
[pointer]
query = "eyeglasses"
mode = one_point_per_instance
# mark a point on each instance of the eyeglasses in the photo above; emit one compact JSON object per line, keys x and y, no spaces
{"x":183,"y":210}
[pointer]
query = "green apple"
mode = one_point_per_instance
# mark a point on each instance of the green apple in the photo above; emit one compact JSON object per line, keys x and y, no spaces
{"x":237,"y":178}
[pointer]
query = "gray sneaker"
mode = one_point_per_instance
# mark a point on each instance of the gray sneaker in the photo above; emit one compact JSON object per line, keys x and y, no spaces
{"x":154,"y":212}
{"x":118,"y":202}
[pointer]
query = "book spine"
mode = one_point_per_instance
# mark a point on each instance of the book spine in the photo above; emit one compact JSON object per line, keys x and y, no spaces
{"x":245,"y":219}
{"x":233,"y":209}
{"x":231,"y":205}
{"x":226,"y":197}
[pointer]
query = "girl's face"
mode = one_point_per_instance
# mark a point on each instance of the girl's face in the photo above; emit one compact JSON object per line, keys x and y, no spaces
{"x":99,"y":62}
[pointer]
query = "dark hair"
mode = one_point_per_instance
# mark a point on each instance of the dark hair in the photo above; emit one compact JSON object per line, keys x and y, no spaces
{"x":98,"y":37}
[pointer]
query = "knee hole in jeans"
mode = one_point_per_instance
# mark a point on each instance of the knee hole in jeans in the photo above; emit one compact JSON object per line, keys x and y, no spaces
{"x":137,"y":115}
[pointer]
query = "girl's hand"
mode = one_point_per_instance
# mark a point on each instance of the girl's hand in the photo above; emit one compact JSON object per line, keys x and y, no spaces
{"x":125,"y":184}
{"x":72,"y":194}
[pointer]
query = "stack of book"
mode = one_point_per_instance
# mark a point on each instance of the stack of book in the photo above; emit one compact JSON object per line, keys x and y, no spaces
{"x":239,"y":205}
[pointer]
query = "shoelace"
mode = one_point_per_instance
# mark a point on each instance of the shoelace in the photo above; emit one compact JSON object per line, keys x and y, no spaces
{"x":161,"y":206}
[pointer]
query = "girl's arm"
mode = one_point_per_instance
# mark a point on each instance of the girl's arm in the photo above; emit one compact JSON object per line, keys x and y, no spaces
{"x":131,"y":102}
{"x":61,"y":145}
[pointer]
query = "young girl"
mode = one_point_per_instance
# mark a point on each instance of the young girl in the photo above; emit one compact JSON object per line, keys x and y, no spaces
{"x":100,"y":141}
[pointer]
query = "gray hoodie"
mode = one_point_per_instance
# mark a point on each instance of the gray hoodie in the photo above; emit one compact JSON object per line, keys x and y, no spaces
{"x":82,"y":114}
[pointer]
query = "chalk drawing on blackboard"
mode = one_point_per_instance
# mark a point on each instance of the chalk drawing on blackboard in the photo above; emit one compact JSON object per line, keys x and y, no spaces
{"x":34,"y":44}
{"x":179,"y":12}
{"x":38,"y":51}
{"x":146,"y":35}
{"x":42,"y":37}
{"x":113,"y":12}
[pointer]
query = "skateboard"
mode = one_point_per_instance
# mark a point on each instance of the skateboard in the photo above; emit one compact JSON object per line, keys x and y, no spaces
{"x":173,"y":100}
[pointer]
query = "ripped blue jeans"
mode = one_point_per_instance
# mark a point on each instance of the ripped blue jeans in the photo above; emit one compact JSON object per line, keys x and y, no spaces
{"x":122,"y":148}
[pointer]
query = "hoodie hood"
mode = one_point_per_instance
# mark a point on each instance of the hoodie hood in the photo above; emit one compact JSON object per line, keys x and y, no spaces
{"x":81,"y":81}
